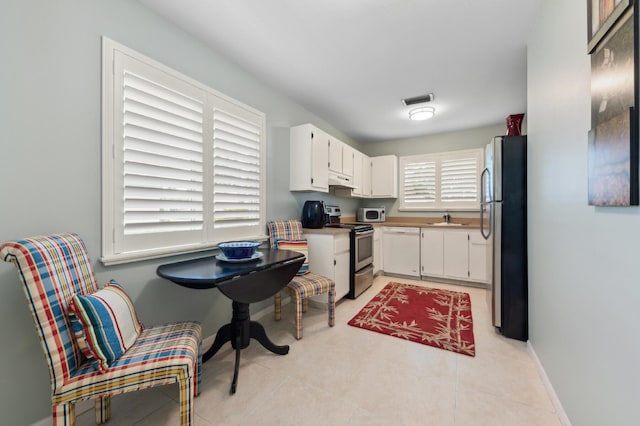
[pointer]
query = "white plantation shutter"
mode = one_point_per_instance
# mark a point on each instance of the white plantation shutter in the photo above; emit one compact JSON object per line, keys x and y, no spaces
{"x":441,"y":181}
{"x":182,"y":164}
{"x":162,"y":159}
{"x":237,"y":178}
{"x":419,"y":183}
{"x":459,"y":180}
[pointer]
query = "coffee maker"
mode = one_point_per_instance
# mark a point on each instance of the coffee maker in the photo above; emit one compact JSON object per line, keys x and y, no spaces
{"x":333,"y":214}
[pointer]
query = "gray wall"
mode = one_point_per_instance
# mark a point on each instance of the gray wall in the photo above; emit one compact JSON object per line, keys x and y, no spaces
{"x":583,"y":260}
{"x":50,"y":162}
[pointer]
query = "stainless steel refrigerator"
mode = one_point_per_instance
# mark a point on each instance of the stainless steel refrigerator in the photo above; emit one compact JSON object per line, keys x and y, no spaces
{"x":503,"y":218}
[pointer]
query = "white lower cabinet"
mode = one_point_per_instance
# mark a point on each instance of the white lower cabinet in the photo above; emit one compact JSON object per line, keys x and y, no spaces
{"x":329,"y":256}
{"x":431,"y":252}
{"x":480,"y":258}
{"x":402,"y":250}
{"x":377,"y":250}
{"x":458,"y":254}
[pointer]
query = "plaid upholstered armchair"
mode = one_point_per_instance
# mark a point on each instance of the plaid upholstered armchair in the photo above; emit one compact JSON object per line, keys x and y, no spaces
{"x":94,"y":345}
{"x":287,"y":234}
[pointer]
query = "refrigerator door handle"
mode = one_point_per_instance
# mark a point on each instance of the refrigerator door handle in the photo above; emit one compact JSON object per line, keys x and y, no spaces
{"x":482,"y":206}
{"x":490,"y":228}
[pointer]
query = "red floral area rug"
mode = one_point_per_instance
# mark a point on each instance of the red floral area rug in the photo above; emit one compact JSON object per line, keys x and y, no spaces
{"x":434,"y":317}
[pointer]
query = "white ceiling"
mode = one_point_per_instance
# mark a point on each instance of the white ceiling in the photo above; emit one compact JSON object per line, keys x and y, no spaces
{"x":352,"y":61}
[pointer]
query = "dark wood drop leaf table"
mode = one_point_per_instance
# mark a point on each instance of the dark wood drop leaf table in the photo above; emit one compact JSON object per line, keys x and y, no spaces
{"x":244,"y":283}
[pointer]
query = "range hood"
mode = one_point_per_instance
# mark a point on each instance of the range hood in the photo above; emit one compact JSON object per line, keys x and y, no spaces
{"x":340,"y":181}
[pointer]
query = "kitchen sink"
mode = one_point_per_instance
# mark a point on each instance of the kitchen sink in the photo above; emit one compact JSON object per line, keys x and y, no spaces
{"x":446,"y":224}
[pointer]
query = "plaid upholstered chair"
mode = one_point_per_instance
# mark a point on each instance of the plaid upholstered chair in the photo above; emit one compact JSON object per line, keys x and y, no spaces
{"x":287,"y":234}
{"x":58,"y":279}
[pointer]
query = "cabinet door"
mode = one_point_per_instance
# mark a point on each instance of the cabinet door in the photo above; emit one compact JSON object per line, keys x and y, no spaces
{"x":341,"y":276}
{"x":348,"y":160}
{"x":357,"y":174}
{"x":335,"y":154}
{"x":321,"y":253}
{"x":319,"y":160}
{"x":479,"y":258}
{"x":432,"y":252}
{"x":341,"y":251}
{"x":329,"y":256}
{"x":384,"y":176}
{"x":456,"y":254}
{"x":308,"y":158}
{"x":366,"y":176}
{"x":377,"y":249}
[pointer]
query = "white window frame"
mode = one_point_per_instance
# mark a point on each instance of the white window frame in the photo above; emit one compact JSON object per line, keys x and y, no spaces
{"x":435,"y":202}
{"x":120,"y":247}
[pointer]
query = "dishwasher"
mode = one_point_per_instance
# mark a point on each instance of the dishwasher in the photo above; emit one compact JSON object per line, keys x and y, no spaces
{"x":401,"y":251}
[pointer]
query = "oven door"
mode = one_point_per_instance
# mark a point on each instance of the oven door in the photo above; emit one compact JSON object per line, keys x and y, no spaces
{"x":363,"y":245}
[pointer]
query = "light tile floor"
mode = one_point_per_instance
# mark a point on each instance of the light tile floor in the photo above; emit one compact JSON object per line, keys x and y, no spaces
{"x":349,"y":376}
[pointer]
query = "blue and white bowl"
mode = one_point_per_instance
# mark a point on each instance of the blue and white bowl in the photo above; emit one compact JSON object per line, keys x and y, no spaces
{"x":238,"y":249}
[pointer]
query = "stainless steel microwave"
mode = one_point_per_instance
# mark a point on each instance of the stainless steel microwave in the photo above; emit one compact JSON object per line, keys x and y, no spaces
{"x":370,"y":214}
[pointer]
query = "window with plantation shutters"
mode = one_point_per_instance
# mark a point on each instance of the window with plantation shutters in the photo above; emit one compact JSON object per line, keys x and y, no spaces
{"x":446,"y":180}
{"x":182,"y":163}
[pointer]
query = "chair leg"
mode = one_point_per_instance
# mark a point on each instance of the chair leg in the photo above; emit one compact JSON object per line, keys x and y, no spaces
{"x":277,"y":305}
{"x":64,"y":414}
{"x":187,"y":393}
{"x":332,"y":305}
{"x":102,"y":409}
{"x":299,"y":302}
{"x":305,"y":304}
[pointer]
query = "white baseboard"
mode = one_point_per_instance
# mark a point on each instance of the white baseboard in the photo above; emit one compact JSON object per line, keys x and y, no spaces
{"x":557,"y":405}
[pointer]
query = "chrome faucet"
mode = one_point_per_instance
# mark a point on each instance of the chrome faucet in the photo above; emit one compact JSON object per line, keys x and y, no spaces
{"x":447,"y":217}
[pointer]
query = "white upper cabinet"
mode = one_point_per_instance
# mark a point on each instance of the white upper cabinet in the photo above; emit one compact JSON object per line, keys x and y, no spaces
{"x":341,"y":157}
{"x":348,"y":160}
{"x":335,"y":154}
{"x":366,"y":176}
{"x":384,"y":176}
{"x":309,"y":151}
{"x":357,"y":174}
{"x":361,"y":177}
{"x":318,"y":160}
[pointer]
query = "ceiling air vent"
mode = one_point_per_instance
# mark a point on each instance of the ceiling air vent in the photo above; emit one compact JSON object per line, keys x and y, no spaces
{"x":418,"y":99}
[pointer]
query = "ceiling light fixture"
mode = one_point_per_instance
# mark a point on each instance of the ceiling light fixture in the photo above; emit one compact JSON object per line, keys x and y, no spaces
{"x":422,"y":113}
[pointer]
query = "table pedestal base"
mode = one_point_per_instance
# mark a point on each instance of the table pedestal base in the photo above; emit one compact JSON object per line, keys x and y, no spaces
{"x":239,"y":332}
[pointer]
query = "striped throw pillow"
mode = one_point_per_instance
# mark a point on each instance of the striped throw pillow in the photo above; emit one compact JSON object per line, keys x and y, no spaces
{"x":108,"y":321}
{"x":299,"y":246}
{"x":77,"y":328}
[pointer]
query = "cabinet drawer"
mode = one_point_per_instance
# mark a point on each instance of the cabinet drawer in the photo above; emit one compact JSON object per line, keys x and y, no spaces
{"x":341,"y":243}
